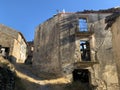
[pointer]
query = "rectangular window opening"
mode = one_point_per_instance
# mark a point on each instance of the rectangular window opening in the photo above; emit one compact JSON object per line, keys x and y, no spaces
{"x":85,"y":50}
{"x":83,"y":25}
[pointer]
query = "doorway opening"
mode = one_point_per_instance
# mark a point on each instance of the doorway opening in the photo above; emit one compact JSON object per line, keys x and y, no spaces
{"x":81,"y":75}
{"x":82,"y":78}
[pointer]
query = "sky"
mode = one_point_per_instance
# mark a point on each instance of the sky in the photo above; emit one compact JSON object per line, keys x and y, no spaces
{"x":25,"y":15}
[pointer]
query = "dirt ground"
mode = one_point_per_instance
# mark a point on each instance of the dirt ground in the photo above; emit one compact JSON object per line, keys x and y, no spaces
{"x":28,"y":80}
{"x":32,"y":82}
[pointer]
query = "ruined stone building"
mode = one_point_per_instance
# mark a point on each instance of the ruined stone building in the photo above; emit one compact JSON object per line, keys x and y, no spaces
{"x":30,"y":48}
{"x":77,"y":46}
{"x":13,"y":44}
{"x":113,"y":22}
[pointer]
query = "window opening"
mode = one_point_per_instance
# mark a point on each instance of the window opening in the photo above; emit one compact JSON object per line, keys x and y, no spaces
{"x":83,"y":25}
{"x":85,"y":50}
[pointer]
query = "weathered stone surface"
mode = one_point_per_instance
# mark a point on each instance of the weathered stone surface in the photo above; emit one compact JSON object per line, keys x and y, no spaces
{"x":104,"y":53}
{"x":30,"y":48}
{"x":15,"y":42}
{"x":47,"y":41}
{"x":115,"y":29}
{"x":57,"y":48}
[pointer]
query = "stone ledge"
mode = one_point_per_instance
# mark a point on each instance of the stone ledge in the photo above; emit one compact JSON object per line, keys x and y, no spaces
{"x":85,"y":64}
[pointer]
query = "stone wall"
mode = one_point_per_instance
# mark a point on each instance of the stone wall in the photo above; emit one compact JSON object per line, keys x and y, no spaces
{"x":115,"y":29}
{"x":8,"y":31}
{"x":19,"y":49}
{"x":6,"y":41}
{"x":57,"y":48}
{"x":46,"y":50}
{"x":105,"y":72}
{"x":15,"y":42}
{"x":101,"y":52}
{"x":30,"y":49}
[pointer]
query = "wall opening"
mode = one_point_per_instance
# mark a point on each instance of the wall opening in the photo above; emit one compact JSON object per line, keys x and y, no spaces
{"x":81,"y":75}
{"x":85,"y":50}
{"x":83,"y":25}
{"x":4,"y":51}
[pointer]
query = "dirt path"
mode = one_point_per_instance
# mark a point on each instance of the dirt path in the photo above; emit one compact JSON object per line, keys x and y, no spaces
{"x":29,"y":81}
{"x":35,"y":83}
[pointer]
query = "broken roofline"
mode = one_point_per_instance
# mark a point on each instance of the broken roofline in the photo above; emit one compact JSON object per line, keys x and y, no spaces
{"x":111,"y":10}
{"x":111,"y":19}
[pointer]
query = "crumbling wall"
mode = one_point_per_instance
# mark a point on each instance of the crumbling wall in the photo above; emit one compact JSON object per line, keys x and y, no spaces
{"x":23,"y":48}
{"x":46,"y":52}
{"x":115,"y":29}
{"x":56,"y":39}
{"x":7,"y":36}
{"x":105,"y":73}
{"x":6,"y":41}
{"x":67,"y":30}
{"x":30,"y":48}
{"x":8,"y":31}
{"x":57,"y":48}
{"x":15,"y":42}
{"x":19,"y":49}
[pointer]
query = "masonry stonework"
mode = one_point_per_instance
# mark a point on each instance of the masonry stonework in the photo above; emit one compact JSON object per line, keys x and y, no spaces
{"x":14,"y":42}
{"x":57,"y":49}
{"x":115,"y":29}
